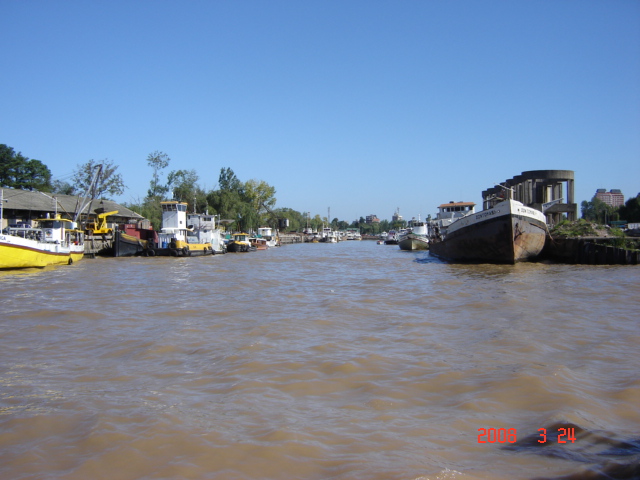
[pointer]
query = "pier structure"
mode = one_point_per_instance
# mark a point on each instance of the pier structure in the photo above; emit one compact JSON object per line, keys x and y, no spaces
{"x":550,"y":191}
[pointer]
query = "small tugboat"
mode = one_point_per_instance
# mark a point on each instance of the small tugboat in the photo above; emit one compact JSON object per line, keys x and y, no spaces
{"x":180,"y":238}
{"x":56,"y":241}
{"x":416,"y":237}
{"x":240,"y":243}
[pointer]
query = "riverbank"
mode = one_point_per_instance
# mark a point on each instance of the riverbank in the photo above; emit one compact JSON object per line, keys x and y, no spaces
{"x":591,"y":250}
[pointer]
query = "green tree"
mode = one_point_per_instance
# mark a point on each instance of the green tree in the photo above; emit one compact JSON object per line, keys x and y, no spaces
{"x":316,"y":222}
{"x":227,"y":181}
{"x":261,"y":199}
{"x":18,"y":171}
{"x":183,"y":185}
{"x":150,"y":209}
{"x":297,"y":220}
{"x":158,"y":161}
{"x":227,"y":200}
{"x":597,"y":211}
{"x":630,"y":211}
{"x":62,"y":188}
{"x":109,"y":182}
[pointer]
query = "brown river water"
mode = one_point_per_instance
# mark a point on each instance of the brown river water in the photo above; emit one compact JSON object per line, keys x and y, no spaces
{"x":319,"y":361}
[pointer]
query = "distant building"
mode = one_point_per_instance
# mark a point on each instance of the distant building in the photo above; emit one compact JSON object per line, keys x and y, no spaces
{"x":372,"y":219}
{"x":614,"y":198}
{"x":396,"y":216}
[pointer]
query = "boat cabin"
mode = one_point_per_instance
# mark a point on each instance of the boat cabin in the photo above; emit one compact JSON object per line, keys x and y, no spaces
{"x":174,"y":215}
{"x":450,"y":212}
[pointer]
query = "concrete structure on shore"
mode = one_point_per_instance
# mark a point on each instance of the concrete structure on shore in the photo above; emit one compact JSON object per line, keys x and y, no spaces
{"x":550,"y":191}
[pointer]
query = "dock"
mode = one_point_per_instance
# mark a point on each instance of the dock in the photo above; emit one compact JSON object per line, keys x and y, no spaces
{"x":97,"y":244}
{"x":590,"y":251}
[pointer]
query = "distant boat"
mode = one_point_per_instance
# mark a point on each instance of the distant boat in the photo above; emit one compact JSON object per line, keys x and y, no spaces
{"x":329,"y":236}
{"x":416,"y":237}
{"x":392,"y":238}
{"x":268,"y":235}
{"x":509,"y":232}
{"x":332,"y":237}
{"x":259,"y":243}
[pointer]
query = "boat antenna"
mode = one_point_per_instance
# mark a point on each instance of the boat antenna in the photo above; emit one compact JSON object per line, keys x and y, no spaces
{"x":55,"y":204}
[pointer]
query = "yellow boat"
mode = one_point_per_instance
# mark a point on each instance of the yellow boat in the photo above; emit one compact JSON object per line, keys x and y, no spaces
{"x":240,"y":243}
{"x":55,"y":241}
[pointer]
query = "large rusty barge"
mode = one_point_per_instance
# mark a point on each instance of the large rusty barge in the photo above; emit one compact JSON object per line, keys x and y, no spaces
{"x":509,"y":232}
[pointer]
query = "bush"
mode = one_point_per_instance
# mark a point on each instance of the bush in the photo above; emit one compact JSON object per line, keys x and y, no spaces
{"x":580,"y":228}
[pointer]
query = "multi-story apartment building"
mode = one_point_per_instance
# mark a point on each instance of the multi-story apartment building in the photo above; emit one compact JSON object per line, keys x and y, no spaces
{"x":615,"y":198}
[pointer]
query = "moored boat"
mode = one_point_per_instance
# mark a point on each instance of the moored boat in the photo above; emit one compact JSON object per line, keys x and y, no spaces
{"x":184,"y":236}
{"x":392,"y":238}
{"x":416,"y":237}
{"x":240,"y":243}
{"x":509,"y":232}
{"x":55,"y":241}
{"x":273,"y":240}
{"x":259,"y":243}
{"x":134,"y":239}
{"x":329,"y":235}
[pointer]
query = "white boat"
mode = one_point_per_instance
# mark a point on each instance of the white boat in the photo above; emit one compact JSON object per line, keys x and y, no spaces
{"x":55,"y":241}
{"x":202,"y":230}
{"x":509,"y":232}
{"x":267,"y":233}
{"x":392,"y":238}
{"x":353,"y":234}
{"x":183,"y":236}
{"x":329,"y":236}
{"x":332,"y":237}
{"x":416,"y":237}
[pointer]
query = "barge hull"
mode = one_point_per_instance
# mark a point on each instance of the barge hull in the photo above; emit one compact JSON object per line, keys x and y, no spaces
{"x":504,"y":238}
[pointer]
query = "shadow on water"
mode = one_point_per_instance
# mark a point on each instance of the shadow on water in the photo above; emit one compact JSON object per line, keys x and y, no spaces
{"x":605,"y":457}
{"x":426,"y":258}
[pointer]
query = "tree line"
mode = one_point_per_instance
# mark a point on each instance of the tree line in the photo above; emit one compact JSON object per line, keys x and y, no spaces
{"x":243,"y":205}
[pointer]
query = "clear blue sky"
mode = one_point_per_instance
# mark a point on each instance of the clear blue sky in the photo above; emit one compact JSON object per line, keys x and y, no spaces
{"x":360,"y":106}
